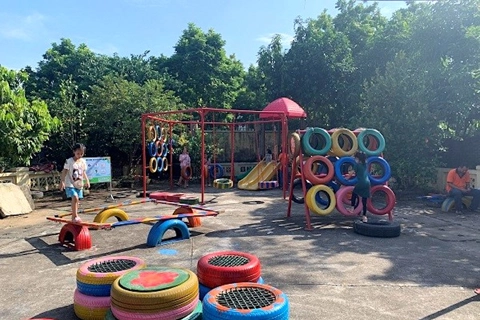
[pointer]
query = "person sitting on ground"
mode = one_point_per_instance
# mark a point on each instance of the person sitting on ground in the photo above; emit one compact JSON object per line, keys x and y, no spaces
{"x":458,"y":186}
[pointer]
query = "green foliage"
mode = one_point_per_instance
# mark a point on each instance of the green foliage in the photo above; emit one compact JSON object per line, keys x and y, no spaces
{"x":24,"y":125}
{"x":114,"y":118}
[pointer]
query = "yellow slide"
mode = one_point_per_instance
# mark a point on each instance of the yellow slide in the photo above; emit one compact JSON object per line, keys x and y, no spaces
{"x":262,"y":172}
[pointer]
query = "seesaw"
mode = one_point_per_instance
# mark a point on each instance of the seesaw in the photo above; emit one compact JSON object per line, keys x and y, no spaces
{"x":77,"y":236}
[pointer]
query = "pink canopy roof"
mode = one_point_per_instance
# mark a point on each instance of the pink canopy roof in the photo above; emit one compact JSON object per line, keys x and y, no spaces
{"x":289,"y":107}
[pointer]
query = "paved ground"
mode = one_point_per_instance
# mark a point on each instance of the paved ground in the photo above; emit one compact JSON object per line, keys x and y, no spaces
{"x":328,"y":273}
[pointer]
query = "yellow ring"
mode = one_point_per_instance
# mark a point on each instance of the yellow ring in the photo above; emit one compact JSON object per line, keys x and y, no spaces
{"x":165,"y":163}
{"x":152,"y":133}
{"x":153,"y":165}
{"x":337,"y":150}
{"x":312,"y":203}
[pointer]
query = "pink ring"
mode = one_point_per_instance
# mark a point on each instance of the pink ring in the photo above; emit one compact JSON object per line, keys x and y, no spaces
{"x":164,"y":315}
{"x":83,"y":270}
{"x":90,"y":302}
{"x":342,"y":201}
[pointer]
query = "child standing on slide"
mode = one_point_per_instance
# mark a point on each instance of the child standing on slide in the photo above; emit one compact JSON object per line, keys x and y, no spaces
{"x":72,"y":178}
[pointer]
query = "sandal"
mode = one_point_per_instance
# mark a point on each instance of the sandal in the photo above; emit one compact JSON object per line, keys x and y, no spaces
{"x":364,"y":219}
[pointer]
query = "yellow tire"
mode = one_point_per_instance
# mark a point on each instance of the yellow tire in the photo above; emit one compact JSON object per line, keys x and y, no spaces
{"x":87,"y":275}
{"x":85,"y":313}
{"x":294,"y":147}
{"x":153,"y":165}
{"x":165,"y":163}
{"x":350,"y":143}
{"x":106,"y":214}
{"x":162,"y":297}
{"x":312,"y":203}
{"x":151,"y":133}
{"x":153,"y":308}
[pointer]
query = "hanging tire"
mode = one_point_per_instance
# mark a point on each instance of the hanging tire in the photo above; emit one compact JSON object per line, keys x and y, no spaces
{"x":311,"y":150}
{"x":298,"y":183}
{"x":340,"y":198}
{"x":157,"y":231}
{"x":387,"y":172}
{"x":151,"y":133}
{"x":294,"y":149}
{"x":160,"y":164}
{"x":106,"y":214}
{"x":165,"y":164}
{"x":245,"y":301}
{"x":186,"y":173}
{"x":373,"y":137}
{"x":224,"y":267}
{"x":216,"y":171}
{"x":311,"y":199}
{"x":352,"y":143}
{"x":339,"y":172}
{"x":379,"y":229}
{"x":318,"y":179}
{"x":390,"y":203}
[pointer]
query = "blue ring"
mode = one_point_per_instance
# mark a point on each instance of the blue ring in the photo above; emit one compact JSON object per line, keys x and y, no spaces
{"x":212,"y":169}
{"x":339,"y":174}
{"x":387,"y":172}
{"x":152,"y":149}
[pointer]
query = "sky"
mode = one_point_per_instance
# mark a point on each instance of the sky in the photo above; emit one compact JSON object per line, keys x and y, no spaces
{"x":28,"y":28}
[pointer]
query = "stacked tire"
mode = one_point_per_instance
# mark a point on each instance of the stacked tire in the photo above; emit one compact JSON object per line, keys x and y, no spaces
{"x":156,"y":292}
{"x":227,"y":267}
{"x":91,"y":299}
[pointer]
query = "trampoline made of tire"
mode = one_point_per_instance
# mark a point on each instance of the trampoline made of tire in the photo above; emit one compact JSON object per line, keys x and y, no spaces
{"x":377,"y":228}
{"x":245,"y":300}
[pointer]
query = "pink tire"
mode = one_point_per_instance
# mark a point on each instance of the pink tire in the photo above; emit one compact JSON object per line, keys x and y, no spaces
{"x":391,"y":199}
{"x":87,"y":274}
{"x":90,"y":302}
{"x":164,"y":315}
{"x":342,"y":201}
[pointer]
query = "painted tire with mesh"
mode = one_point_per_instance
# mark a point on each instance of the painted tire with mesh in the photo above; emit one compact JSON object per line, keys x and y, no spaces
{"x":265,"y":185}
{"x":104,"y":215}
{"x":222,"y":183}
{"x":202,"y":290}
{"x":174,"y":285}
{"x":246,"y":301}
{"x":106,"y":270}
{"x":195,"y":315}
{"x":90,"y":308}
{"x":223,"y":267}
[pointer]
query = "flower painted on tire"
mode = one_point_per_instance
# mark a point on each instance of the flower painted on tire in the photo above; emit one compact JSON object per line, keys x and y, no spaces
{"x":149,"y":279}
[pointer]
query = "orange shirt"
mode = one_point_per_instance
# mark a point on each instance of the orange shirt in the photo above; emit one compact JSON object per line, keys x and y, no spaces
{"x":283,"y":158}
{"x":455,"y":179}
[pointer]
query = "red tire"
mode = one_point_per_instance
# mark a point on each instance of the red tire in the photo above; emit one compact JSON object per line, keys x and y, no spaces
{"x":224,"y":267}
{"x":186,"y":172}
{"x":390,"y":200}
{"x":75,"y":237}
{"x":320,"y":179}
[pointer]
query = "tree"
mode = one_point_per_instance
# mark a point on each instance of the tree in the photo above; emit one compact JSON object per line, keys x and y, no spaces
{"x":398,"y":103}
{"x":207,"y":76}
{"x":25,"y":125}
{"x":114,"y":118}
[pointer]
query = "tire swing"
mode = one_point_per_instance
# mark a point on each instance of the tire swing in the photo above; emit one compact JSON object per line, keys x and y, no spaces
{"x":311,"y":199}
{"x":160,"y":164}
{"x":186,"y":173}
{"x":390,"y":200}
{"x":316,"y":141}
{"x":348,"y":145}
{"x":216,"y":171}
{"x":245,"y":301}
{"x":371,"y":142}
{"x":222,"y":183}
{"x":310,"y":173}
{"x":152,"y":149}
{"x":342,"y":201}
{"x":151,"y":133}
{"x":386,"y":171}
{"x":153,"y":165}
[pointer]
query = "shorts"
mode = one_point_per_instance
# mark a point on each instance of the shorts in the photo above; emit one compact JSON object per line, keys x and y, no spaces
{"x":74,"y":192}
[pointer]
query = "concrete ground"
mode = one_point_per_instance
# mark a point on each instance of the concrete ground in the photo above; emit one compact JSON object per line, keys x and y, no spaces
{"x":331,"y":272}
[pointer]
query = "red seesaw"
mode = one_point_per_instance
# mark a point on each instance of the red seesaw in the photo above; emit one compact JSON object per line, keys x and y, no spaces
{"x":76,"y":235}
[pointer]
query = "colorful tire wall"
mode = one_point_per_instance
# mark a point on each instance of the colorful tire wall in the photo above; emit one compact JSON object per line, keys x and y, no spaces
{"x":328,"y":157}
{"x":157,"y":148}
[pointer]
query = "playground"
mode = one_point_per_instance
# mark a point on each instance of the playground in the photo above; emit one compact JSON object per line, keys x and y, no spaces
{"x":301,"y":251}
{"x":330,"y":272}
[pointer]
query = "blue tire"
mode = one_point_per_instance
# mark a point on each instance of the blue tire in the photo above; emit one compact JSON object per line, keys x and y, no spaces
{"x":216,"y":171}
{"x":277,"y":309}
{"x":165,"y":150}
{"x":152,"y":149}
{"x":160,"y":164}
{"x":96,"y":290}
{"x":203,"y":290}
{"x":157,"y":231}
{"x":339,"y":172}
{"x":387,"y":172}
